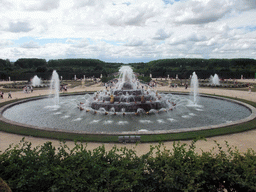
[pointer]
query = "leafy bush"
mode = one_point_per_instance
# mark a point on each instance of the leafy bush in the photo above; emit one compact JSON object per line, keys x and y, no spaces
{"x":45,"y":168}
{"x":145,"y":79}
{"x":105,"y":79}
{"x":3,"y":186}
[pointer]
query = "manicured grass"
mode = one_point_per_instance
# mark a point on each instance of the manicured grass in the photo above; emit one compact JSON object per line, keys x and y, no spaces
{"x":10,"y":128}
{"x":201,"y":134}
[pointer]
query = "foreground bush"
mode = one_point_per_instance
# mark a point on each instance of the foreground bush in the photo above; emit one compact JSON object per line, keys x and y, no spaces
{"x":4,"y":187}
{"x":46,"y":168}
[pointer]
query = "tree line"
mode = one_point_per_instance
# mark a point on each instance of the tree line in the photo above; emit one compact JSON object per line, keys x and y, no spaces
{"x":26,"y":68}
{"x":225,"y":68}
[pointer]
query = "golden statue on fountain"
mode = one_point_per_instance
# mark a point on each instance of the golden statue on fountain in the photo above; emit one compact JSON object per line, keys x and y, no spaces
{"x":112,"y":99}
{"x":143,"y":99}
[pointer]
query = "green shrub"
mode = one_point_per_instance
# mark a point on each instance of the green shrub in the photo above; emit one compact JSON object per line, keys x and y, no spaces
{"x":105,"y":79}
{"x":3,"y":186}
{"x":45,"y":168}
{"x":146,"y":79}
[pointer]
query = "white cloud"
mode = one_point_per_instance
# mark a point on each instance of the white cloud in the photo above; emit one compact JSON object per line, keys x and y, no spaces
{"x":137,"y":15}
{"x":19,"y":26}
{"x":4,"y":4}
{"x":245,"y":4}
{"x":161,"y":35}
{"x":199,"y":11}
{"x":80,"y":44}
{"x":30,"y":44}
{"x":6,"y":43}
{"x":79,"y":3}
{"x":134,"y":42}
{"x":42,"y":5}
{"x":184,"y":39}
{"x":127,"y":30}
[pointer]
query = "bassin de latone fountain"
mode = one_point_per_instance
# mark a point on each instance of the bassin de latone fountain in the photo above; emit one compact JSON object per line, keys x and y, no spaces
{"x":127,"y":107}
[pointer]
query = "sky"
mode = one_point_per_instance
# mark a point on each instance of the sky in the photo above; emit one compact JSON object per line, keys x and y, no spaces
{"x":127,"y":31}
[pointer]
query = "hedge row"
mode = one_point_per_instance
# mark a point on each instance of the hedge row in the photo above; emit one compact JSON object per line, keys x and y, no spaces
{"x":45,"y":168}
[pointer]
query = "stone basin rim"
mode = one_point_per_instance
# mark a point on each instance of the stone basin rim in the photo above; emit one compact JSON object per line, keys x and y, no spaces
{"x":247,"y":119}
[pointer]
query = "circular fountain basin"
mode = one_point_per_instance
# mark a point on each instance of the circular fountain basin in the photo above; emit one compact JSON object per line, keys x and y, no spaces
{"x":210,"y":112}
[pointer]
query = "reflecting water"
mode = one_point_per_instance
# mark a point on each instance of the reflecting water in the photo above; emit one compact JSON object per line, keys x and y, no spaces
{"x":67,"y":116}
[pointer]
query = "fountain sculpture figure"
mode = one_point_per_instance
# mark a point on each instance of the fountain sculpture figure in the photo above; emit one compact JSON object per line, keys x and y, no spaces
{"x":127,"y":95}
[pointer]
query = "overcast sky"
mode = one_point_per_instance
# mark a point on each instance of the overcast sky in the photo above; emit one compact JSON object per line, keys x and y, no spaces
{"x":127,"y":31}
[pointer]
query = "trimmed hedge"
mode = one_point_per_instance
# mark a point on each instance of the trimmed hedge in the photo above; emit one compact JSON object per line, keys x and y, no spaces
{"x":45,"y":168}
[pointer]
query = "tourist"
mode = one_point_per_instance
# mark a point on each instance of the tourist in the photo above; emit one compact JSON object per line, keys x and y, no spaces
{"x":9,"y":95}
{"x":2,"y":94}
{"x":27,"y":89}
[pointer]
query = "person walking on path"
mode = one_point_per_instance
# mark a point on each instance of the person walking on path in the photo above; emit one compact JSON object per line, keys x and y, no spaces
{"x":250,"y":89}
{"x":9,"y":95}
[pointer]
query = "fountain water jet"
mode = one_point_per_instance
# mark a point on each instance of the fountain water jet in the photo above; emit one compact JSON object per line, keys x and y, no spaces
{"x":36,"y":81}
{"x":214,"y":80}
{"x":127,"y":95}
{"x":55,"y":86}
{"x":194,"y":85}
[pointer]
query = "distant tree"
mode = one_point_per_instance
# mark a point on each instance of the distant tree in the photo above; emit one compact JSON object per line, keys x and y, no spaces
{"x":145,"y":78}
{"x":41,"y":69}
{"x":8,"y":63}
{"x":183,"y":67}
{"x":2,"y":63}
{"x":30,"y":63}
{"x":105,"y":79}
{"x":3,"y":75}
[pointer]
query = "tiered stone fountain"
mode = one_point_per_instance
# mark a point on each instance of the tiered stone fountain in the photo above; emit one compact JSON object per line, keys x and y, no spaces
{"x":128,"y":95}
{"x":125,"y":107}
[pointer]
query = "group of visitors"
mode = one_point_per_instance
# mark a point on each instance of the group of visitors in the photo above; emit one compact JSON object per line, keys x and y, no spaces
{"x":2,"y":95}
{"x":174,"y":85}
{"x":152,"y":84}
{"x":28,"y":89}
{"x":63,"y":88}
